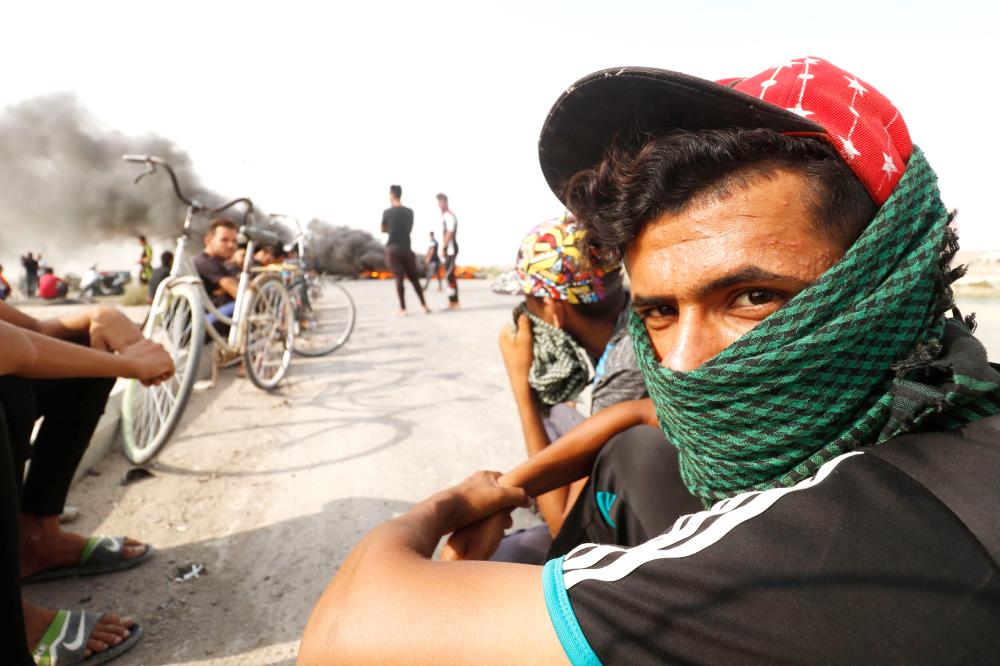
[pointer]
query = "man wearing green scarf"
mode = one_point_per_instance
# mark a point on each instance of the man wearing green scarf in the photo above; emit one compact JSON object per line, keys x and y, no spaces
{"x":789,"y":261}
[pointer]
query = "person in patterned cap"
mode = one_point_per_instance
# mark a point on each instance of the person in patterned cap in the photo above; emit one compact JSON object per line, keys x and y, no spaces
{"x":788,"y":254}
{"x":568,"y":356}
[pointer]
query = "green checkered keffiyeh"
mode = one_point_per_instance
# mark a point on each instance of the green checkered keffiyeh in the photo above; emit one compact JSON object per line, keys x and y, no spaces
{"x":560,"y":369}
{"x":851,"y":361}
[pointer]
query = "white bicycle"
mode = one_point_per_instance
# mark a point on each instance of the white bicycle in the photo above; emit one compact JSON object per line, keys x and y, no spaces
{"x":261,"y":328}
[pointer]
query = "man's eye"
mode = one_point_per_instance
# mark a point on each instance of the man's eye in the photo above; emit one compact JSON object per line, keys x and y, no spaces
{"x":757,"y":298}
{"x":660,"y":311}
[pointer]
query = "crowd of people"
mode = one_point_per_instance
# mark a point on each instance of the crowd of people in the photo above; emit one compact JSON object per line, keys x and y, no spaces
{"x":756,"y":427}
{"x":778,"y":443}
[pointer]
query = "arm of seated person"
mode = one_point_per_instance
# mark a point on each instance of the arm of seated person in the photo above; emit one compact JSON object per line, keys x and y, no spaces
{"x":389,"y":603}
{"x":569,"y":458}
{"x":230,"y":285}
{"x":107,"y":328}
{"x":18,"y":351}
{"x":144,"y":360}
{"x":517,"y":351}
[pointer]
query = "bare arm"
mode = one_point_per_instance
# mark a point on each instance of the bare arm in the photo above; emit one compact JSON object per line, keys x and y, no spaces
{"x":516,"y":350}
{"x":389,"y":603}
{"x":572,"y":456}
{"x":229,"y":285}
{"x":106,"y":328}
{"x":18,"y":352}
{"x":144,"y":360}
{"x":569,"y":458}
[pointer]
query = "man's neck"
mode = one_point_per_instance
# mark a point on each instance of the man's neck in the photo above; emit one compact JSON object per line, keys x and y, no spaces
{"x":593,"y":334}
{"x":395,"y":203}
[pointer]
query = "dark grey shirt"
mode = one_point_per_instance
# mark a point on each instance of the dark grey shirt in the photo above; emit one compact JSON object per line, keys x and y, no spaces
{"x":617,"y":375}
{"x":398,"y":222}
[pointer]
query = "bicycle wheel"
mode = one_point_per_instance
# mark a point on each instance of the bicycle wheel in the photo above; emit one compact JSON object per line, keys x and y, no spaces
{"x":324,"y":316}
{"x":150,"y":414}
{"x":270,"y":332}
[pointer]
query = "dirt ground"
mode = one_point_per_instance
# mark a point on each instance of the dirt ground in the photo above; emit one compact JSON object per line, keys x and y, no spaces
{"x":270,"y":491}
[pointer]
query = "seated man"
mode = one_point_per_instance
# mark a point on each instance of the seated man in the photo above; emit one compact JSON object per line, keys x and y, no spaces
{"x":50,"y":286}
{"x":788,"y":254}
{"x":571,"y":344}
{"x":220,"y":277}
{"x":68,"y":385}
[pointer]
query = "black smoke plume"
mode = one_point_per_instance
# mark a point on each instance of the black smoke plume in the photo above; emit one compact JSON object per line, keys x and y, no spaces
{"x":342,"y":250}
{"x":63,"y":177}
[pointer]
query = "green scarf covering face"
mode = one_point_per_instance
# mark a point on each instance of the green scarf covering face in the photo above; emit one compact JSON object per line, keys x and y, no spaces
{"x":817,"y":378}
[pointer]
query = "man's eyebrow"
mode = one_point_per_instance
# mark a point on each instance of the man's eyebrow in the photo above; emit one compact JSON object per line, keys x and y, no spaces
{"x":744,"y":274}
{"x":739,"y":276}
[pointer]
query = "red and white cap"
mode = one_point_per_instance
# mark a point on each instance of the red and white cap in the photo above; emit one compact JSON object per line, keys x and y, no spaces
{"x":804,"y":96}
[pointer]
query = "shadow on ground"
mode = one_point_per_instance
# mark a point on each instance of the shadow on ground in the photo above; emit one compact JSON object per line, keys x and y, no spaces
{"x":291,"y":560}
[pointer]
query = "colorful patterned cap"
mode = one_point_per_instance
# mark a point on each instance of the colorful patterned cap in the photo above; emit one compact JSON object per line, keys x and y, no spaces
{"x":549,"y":263}
{"x":804,"y":97}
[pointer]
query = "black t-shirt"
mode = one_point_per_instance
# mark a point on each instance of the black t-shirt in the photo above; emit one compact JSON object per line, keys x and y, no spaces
{"x":398,"y":222}
{"x":885,"y":556}
{"x":212,"y":270}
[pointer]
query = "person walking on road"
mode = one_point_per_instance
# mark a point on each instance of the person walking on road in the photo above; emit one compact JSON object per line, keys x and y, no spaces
{"x":433,"y":261}
{"x":449,"y":229}
{"x":397,"y":221}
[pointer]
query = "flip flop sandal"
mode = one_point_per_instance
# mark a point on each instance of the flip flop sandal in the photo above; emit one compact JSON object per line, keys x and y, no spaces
{"x":65,"y":641}
{"x":101,"y":555}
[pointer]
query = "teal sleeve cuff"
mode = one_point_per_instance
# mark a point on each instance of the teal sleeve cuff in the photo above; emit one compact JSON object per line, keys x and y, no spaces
{"x":574,"y":643}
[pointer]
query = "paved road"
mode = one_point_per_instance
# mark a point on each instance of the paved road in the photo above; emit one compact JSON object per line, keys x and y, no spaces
{"x":270,"y":491}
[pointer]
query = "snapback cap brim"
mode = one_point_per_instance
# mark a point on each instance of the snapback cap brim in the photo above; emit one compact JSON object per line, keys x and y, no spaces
{"x":625,"y":103}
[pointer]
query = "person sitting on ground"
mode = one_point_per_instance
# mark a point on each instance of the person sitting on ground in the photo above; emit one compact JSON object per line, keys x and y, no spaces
{"x":569,"y":356}
{"x":50,"y":286}
{"x":788,"y":254}
{"x":161,"y":272}
{"x":432,"y":259}
{"x":67,"y":384}
{"x":218,"y":275}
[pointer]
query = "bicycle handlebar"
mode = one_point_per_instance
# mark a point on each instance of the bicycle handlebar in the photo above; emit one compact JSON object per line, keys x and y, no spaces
{"x":151,"y":161}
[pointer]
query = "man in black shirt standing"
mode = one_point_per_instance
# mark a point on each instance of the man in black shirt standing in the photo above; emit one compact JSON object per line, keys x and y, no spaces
{"x":397,"y":221}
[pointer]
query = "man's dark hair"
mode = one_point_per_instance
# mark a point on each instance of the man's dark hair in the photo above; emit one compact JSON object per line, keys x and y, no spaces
{"x":396,"y":191}
{"x":220,"y":222}
{"x":166,"y":258}
{"x":142,"y":238}
{"x":47,"y":271}
{"x":632,"y":187}
{"x":442,"y":197}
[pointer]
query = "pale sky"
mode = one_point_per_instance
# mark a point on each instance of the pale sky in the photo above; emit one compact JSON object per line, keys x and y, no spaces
{"x":315,"y":109}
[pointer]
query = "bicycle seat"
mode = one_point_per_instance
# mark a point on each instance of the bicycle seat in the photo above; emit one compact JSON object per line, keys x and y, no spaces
{"x":262,"y":237}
